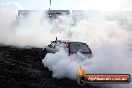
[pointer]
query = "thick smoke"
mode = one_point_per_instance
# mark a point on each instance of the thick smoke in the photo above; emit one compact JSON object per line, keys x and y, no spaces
{"x":109,"y":37}
{"x":107,"y":33}
{"x":33,"y":30}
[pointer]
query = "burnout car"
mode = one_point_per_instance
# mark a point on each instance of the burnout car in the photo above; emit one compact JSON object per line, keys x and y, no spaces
{"x":70,"y":47}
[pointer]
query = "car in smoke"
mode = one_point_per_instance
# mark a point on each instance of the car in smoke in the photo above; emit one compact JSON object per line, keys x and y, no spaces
{"x":69,"y":46}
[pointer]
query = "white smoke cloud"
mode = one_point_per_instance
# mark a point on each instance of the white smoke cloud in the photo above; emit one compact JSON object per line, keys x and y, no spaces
{"x":8,"y":12}
{"x":107,"y":34}
{"x":29,"y":31}
{"x":64,"y":66}
{"x":109,"y":38}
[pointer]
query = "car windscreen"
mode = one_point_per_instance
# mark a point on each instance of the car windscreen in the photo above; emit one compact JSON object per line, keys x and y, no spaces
{"x":81,"y":47}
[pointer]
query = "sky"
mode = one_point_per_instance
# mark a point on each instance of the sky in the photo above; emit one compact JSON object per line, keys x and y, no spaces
{"x":104,"y":5}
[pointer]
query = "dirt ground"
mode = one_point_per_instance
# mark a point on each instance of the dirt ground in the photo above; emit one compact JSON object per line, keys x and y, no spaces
{"x":22,"y":68}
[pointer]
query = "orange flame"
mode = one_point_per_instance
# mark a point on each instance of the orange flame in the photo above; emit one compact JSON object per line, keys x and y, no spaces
{"x":81,"y":71}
